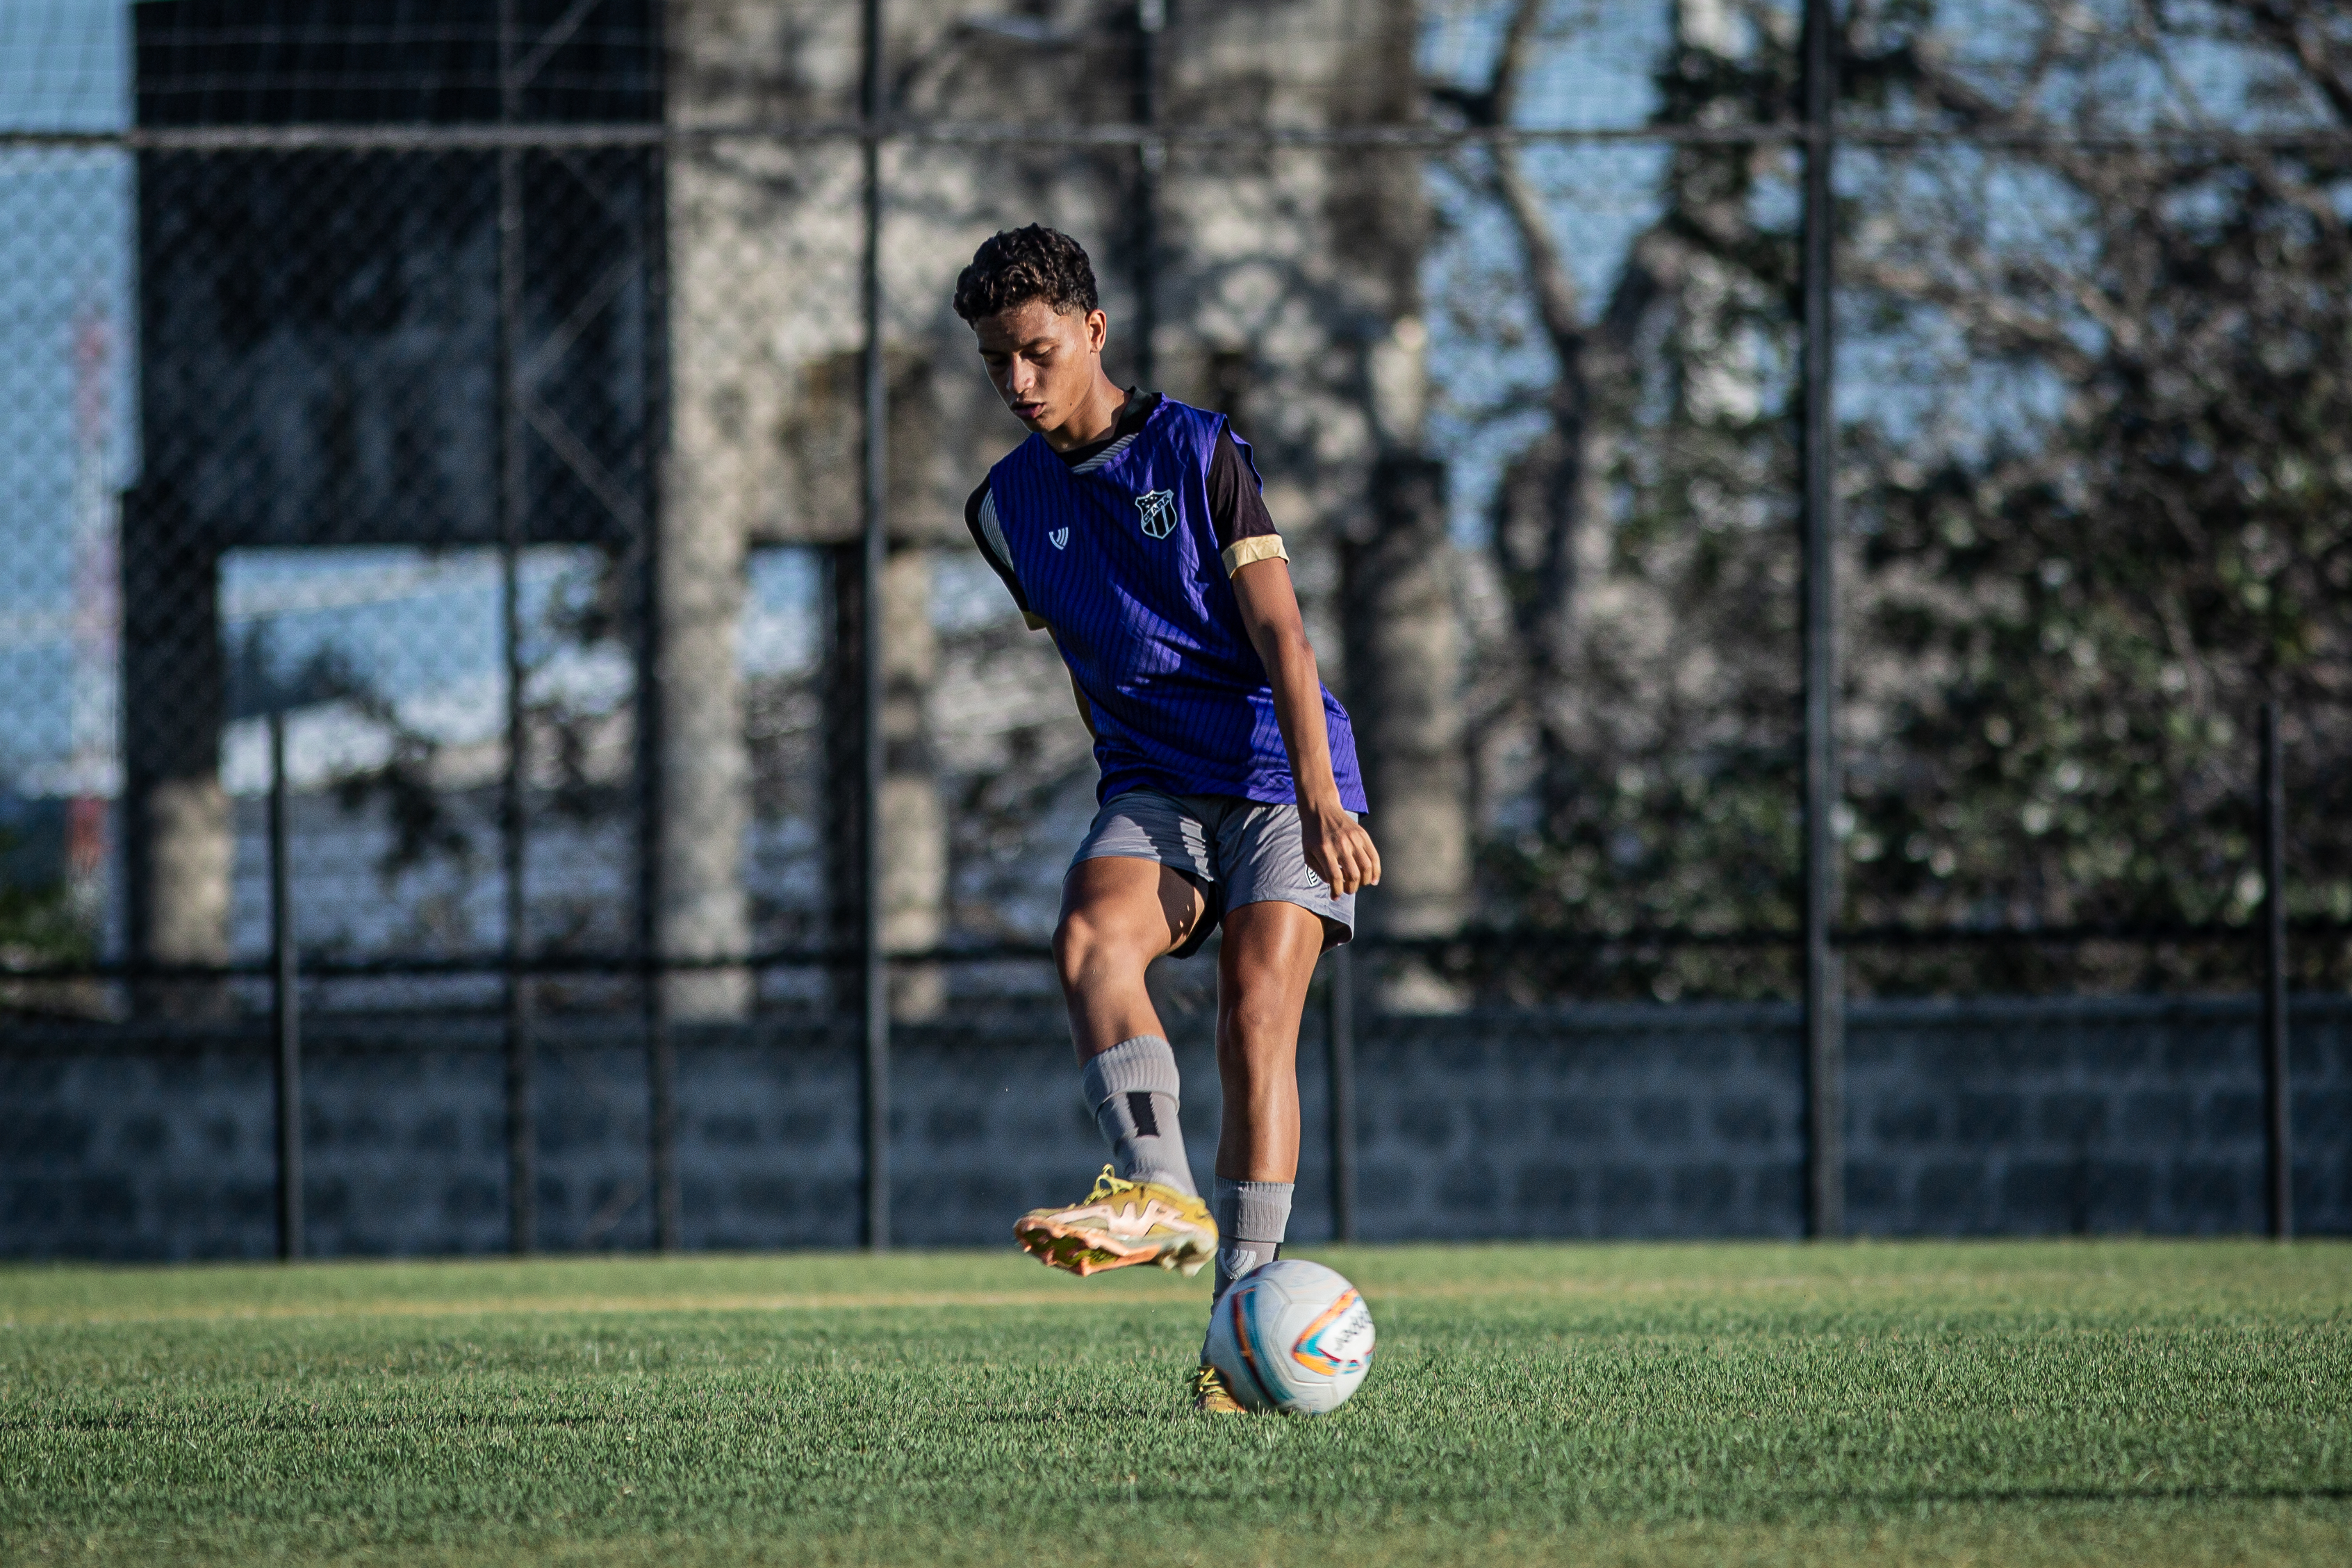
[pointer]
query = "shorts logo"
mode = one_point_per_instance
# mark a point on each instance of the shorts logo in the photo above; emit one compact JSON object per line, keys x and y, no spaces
{"x":1156,"y":510}
{"x":1061,"y":538}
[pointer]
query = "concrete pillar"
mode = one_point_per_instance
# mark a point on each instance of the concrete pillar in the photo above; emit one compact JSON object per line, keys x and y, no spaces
{"x":914,"y":828}
{"x":913,"y":820}
{"x":1403,"y":634}
{"x":704,"y":759}
{"x":1404,"y":659}
{"x":180,"y":840}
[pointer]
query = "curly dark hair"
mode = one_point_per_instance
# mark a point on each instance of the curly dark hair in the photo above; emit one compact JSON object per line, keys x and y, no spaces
{"x":1014,"y":266}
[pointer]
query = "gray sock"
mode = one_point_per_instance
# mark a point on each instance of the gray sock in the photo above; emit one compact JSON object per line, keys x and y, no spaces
{"x":1251,"y":1217}
{"x":1131,"y":1089}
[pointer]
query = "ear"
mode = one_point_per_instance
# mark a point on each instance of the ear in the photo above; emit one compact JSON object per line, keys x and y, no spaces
{"x":1097,"y":329}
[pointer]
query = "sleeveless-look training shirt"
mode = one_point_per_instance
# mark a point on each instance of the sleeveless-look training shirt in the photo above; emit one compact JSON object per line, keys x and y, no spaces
{"x":1119,"y":557}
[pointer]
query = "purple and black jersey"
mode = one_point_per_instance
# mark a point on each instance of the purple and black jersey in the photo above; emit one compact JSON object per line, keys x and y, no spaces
{"x":1124,"y":554}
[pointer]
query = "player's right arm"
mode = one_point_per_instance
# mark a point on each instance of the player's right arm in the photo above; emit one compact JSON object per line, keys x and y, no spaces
{"x":979,"y":518}
{"x":1337,"y":848}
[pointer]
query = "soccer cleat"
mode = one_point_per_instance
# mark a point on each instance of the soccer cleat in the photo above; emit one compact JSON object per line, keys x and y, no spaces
{"x":1210,"y":1395}
{"x":1118,"y":1224}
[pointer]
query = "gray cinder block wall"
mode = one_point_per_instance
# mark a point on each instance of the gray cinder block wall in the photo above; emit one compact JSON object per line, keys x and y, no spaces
{"x":2105,"y":1115}
{"x":1979,"y":1118}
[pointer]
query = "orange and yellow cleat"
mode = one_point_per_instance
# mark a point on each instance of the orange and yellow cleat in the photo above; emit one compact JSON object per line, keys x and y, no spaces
{"x":1121,"y":1223}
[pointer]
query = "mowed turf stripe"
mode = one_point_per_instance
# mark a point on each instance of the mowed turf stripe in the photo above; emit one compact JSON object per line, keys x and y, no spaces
{"x":878,"y":1300}
{"x":2202,"y":1279}
{"x":559,"y":1306}
{"x":857,"y":1301}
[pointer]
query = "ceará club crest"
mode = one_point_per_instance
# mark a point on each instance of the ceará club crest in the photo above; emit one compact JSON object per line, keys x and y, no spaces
{"x":1155,"y":511}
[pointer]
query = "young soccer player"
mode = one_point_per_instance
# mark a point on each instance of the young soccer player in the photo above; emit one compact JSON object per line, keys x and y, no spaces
{"x":1131,"y":528}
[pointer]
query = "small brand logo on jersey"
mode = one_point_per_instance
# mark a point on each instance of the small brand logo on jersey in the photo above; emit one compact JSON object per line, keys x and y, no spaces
{"x":1061,"y":538}
{"x":1156,"y":509}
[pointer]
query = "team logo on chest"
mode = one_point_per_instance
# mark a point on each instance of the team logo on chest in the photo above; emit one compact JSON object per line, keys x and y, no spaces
{"x":1156,"y":510}
{"x":1060,"y":539}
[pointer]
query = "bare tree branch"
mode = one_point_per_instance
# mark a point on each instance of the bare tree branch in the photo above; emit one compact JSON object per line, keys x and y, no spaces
{"x":2295,"y":31}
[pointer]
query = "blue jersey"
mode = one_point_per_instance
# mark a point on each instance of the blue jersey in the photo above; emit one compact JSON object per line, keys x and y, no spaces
{"x":1119,"y":556}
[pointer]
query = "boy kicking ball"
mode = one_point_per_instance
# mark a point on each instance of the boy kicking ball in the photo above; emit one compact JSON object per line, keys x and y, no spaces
{"x":1131,"y":527}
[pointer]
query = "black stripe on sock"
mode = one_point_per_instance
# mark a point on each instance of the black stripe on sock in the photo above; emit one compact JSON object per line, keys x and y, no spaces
{"x":1139,"y":1107}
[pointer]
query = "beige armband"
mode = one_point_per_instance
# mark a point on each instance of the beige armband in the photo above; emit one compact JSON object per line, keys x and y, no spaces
{"x":1244,"y":552}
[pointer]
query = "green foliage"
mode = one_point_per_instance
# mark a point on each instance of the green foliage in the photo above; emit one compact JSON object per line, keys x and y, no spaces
{"x":2026,"y":1404}
{"x":2097,"y":502}
{"x":1666,"y":770}
{"x":2065,"y":629}
{"x":37,"y":922}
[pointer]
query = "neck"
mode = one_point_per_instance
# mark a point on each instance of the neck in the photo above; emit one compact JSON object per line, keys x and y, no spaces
{"x":1096,"y":416}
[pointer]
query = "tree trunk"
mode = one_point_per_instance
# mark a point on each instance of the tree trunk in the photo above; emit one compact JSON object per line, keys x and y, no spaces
{"x":1405,"y":647}
{"x":914,"y":821}
{"x":705,"y":759}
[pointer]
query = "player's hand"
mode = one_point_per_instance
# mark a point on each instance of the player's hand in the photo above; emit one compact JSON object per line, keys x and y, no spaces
{"x":1338,"y":849}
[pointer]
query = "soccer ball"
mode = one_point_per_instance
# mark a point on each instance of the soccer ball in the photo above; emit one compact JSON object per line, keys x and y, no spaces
{"x":1292,"y":1336}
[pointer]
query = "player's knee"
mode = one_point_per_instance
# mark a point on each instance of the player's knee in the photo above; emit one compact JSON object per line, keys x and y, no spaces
{"x":1251,"y":1024}
{"x":1086,"y":945}
{"x":1073,"y":945}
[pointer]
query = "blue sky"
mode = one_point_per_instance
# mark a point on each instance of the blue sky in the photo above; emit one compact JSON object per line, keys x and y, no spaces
{"x":64,"y":228}
{"x":1602,"y":197}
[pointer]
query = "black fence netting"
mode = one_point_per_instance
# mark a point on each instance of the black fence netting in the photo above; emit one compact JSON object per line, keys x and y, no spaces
{"x":440,"y":468}
{"x":427,"y":375}
{"x":2093,"y":470}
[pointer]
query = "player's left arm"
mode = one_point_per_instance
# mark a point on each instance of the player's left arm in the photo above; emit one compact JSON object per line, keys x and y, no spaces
{"x":1337,"y":848}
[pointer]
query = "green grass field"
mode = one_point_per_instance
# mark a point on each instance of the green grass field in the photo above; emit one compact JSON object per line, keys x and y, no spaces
{"x":2042,"y":1402}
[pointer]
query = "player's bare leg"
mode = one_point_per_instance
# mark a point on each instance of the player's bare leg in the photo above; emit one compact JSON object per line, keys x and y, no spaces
{"x":1118,"y":916}
{"x":1263,"y":969}
{"x":1263,"y":972}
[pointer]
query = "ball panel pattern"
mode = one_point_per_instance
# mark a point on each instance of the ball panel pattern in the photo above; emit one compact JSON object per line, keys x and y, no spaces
{"x":1292,"y":1336}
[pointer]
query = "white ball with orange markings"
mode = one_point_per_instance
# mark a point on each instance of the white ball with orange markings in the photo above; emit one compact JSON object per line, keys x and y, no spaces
{"x":1292,"y":1336}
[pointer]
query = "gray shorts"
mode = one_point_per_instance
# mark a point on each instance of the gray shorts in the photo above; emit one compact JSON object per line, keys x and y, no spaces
{"x":1239,"y":852}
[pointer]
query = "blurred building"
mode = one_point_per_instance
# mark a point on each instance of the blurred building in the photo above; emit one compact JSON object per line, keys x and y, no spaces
{"x":320,"y":343}
{"x":321,"y":337}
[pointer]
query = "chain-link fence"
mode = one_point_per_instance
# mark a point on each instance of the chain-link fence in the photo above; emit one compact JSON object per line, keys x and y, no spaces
{"x":451,"y":423}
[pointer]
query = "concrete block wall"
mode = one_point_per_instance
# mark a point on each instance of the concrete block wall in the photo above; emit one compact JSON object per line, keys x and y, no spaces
{"x":2008,"y":1117}
{"x":987,"y":1122}
{"x":158,"y":1143}
{"x":163,"y":1146}
{"x":1602,"y":1121}
{"x":2113,"y":1115}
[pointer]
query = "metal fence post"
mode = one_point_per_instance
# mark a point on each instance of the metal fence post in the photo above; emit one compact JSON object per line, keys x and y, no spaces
{"x":522,"y":1129}
{"x":875,"y":994}
{"x":661,"y":1084}
{"x":1339,"y":1056}
{"x":2278,"y":1145}
{"x":661,"y":1053}
{"x":1824,"y":988}
{"x":285,"y":1001}
{"x":1151,"y":157}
